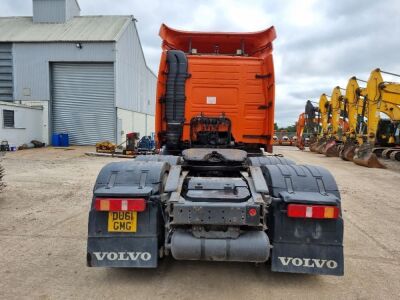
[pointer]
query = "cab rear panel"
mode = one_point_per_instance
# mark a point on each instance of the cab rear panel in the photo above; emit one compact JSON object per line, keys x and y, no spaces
{"x":230,"y":85}
{"x":206,"y":78}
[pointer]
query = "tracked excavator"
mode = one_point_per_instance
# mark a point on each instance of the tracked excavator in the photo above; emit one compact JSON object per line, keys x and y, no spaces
{"x":381,"y":97}
{"x":356,"y":111}
{"x":325,"y":118}
{"x":307,"y":126}
{"x":337,"y":124}
{"x":213,"y":193}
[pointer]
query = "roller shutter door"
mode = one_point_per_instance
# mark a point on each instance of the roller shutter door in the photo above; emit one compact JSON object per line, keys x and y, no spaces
{"x":6,"y":75}
{"x":83,"y":102}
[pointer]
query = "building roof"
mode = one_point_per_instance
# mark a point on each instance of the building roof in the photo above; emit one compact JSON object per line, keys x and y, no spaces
{"x":83,"y":28}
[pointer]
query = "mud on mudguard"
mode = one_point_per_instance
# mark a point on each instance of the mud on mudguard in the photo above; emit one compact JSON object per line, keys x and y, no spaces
{"x":300,"y":245}
{"x":124,"y":249}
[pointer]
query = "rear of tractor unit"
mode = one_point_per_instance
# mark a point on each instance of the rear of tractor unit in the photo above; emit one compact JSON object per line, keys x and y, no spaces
{"x":212,"y":194}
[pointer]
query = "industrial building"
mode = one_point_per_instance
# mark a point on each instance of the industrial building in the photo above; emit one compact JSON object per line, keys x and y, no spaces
{"x":87,"y":72}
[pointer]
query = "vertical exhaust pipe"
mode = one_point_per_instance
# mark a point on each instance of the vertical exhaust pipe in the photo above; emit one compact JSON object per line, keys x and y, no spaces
{"x":175,"y":97}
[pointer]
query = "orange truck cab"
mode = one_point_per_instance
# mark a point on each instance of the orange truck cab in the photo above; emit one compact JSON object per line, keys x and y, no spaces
{"x":225,"y":90}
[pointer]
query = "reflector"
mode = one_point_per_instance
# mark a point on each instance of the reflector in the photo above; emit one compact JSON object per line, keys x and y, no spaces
{"x":252,"y":212}
{"x":120,"y":204}
{"x":312,"y":211}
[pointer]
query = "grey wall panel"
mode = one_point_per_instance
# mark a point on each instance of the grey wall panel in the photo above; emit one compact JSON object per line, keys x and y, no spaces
{"x":6,"y":72}
{"x":83,"y":102}
{"x":49,"y":11}
{"x":72,"y":9}
{"x":31,"y":64}
{"x":136,"y":84}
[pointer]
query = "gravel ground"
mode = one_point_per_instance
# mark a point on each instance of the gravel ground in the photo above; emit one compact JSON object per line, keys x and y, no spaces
{"x":43,"y":224}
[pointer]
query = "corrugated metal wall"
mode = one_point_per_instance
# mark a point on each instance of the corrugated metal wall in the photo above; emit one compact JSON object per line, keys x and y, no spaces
{"x":136,"y":84}
{"x":83,"y":102}
{"x":132,"y":121}
{"x":31,"y":64}
{"x":6,"y":72}
{"x":72,"y":9}
{"x":49,"y":11}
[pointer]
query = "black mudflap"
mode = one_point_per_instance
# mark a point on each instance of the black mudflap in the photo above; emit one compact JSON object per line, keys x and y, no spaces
{"x":133,"y":250}
{"x":304,"y":245}
{"x":128,"y":252}
{"x":139,"y":249}
{"x":307,"y":258}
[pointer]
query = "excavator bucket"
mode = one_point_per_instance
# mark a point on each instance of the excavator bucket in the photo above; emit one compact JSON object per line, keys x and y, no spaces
{"x":313,"y":147}
{"x":321,"y":146}
{"x":318,"y":145}
{"x":348,"y":151}
{"x":331,"y":149}
{"x":365,"y":157}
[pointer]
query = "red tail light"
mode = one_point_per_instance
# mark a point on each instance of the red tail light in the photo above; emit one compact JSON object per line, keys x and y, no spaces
{"x":312,"y":211}
{"x":252,"y":212}
{"x":120,"y":204}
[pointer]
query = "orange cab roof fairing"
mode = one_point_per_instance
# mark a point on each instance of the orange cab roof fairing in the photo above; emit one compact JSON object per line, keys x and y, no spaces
{"x":227,"y":42}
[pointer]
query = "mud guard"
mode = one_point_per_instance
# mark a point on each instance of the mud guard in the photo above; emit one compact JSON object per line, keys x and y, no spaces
{"x":300,"y":258}
{"x":258,"y":161}
{"x":138,"y":249}
{"x":300,"y":245}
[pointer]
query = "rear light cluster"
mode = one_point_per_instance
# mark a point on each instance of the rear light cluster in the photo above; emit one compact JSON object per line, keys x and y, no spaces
{"x":312,"y":211}
{"x":120,"y":204}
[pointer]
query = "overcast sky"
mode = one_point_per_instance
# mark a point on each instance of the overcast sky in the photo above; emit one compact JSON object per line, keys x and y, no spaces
{"x":320,"y":44}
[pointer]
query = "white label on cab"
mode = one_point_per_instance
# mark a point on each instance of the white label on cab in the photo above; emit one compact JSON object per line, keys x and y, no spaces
{"x":211,"y":100}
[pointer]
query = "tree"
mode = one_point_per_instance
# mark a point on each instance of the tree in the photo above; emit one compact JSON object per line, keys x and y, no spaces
{"x":290,"y":128}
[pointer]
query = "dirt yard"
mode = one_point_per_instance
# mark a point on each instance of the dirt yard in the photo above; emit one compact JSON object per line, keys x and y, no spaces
{"x":43,"y":224}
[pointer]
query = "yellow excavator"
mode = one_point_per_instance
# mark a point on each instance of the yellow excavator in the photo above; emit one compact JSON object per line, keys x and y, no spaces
{"x":381,"y":97}
{"x":332,"y":125}
{"x":356,"y":108}
{"x":332,"y":145}
{"x":324,"y":119}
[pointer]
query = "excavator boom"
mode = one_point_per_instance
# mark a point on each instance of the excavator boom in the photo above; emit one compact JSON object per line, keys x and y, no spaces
{"x":382,"y":97}
{"x":344,"y":130}
{"x":336,"y":105}
{"x":353,"y":103}
{"x":301,"y":122}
